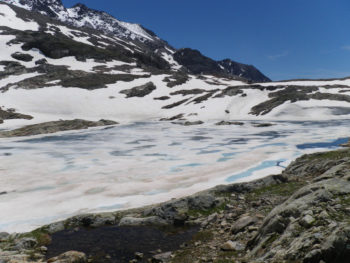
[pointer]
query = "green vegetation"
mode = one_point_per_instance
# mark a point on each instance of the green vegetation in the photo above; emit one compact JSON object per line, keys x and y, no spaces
{"x":207,"y":212}
{"x":40,"y":235}
{"x":284,"y":189}
{"x":203,"y":236}
{"x":333,"y":155}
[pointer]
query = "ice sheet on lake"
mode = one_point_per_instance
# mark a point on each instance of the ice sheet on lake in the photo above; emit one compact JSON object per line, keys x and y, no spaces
{"x":48,"y":178}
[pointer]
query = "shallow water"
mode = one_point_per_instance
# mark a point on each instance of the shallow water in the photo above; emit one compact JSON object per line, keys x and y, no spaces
{"x":47,"y":178}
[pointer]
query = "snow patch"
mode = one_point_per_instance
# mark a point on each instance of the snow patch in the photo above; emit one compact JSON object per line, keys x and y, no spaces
{"x":9,"y":19}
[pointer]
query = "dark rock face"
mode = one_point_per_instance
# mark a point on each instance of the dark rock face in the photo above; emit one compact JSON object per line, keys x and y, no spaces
{"x":293,"y":94}
{"x":189,"y":123}
{"x":162,"y":98}
{"x":13,"y":68}
{"x":175,"y":104}
{"x":11,"y":114}
{"x":221,"y":123}
{"x":245,"y":71}
{"x":176,"y":79}
{"x":41,"y":61}
{"x":66,"y":77}
{"x":48,"y":7}
{"x":140,"y":91}
{"x":196,"y":63}
{"x":22,"y":57}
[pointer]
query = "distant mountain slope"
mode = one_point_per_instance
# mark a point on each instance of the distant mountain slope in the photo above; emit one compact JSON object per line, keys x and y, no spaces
{"x":83,"y":17}
{"x":50,"y":70}
{"x":197,"y":63}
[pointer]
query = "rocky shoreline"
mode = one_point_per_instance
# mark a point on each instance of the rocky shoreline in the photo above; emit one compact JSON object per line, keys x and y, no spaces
{"x":301,"y":215}
{"x":55,"y":126}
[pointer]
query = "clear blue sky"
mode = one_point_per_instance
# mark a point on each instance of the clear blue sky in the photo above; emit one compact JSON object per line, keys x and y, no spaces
{"x":283,"y":38}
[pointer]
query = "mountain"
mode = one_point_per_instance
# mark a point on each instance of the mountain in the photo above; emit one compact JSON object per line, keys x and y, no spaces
{"x":83,"y":17}
{"x":242,"y":70}
{"x":196,"y":63}
{"x":44,"y":61}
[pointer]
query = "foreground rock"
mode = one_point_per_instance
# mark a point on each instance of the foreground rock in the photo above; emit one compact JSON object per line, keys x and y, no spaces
{"x":69,"y":257}
{"x":55,"y":126}
{"x":301,"y":215}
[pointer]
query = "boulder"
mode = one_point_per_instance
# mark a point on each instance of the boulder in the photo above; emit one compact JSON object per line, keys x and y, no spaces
{"x":161,"y":258}
{"x":69,"y":257}
{"x":3,"y":236}
{"x":242,"y":223}
{"x":26,"y":243}
{"x":307,"y":221}
{"x":232,"y":246}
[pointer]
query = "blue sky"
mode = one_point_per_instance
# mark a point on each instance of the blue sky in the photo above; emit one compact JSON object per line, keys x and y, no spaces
{"x":285,"y":39}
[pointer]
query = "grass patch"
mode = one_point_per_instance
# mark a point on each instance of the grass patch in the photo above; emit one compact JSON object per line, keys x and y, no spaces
{"x":41,"y":236}
{"x":283,"y":189}
{"x":203,"y":236}
{"x":185,"y":256}
{"x":334,"y":155}
{"x":207,"y":212}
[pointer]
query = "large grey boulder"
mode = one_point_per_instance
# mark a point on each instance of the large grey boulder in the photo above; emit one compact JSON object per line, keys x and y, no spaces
{"x":242,"y":223}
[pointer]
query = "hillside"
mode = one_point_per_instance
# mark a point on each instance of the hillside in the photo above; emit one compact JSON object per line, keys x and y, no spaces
{"x":122,"y":79}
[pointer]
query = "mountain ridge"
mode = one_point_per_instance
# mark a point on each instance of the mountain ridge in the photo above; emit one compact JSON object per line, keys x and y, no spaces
{"x":82,"y":16}
{"x":129,"y":80}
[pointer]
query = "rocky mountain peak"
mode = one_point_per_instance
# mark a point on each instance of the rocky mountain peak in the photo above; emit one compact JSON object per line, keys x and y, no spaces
{"x":147,"y":42}
{"x":197,"y":63}
{"x":242,"y":70}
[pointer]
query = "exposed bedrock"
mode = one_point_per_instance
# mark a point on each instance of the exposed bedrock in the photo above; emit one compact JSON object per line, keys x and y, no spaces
{"x":55,"y":126}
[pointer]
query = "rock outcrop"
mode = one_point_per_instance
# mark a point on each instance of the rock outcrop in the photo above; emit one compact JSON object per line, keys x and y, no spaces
{"x":55,"y":126}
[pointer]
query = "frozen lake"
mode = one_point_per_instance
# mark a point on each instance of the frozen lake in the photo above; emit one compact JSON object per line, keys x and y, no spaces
{"x":48,"y":178}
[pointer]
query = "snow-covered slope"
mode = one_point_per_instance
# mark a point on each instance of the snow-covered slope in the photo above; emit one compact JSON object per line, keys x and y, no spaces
{"x":53,"y":71}
{"x":82,"y":16}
